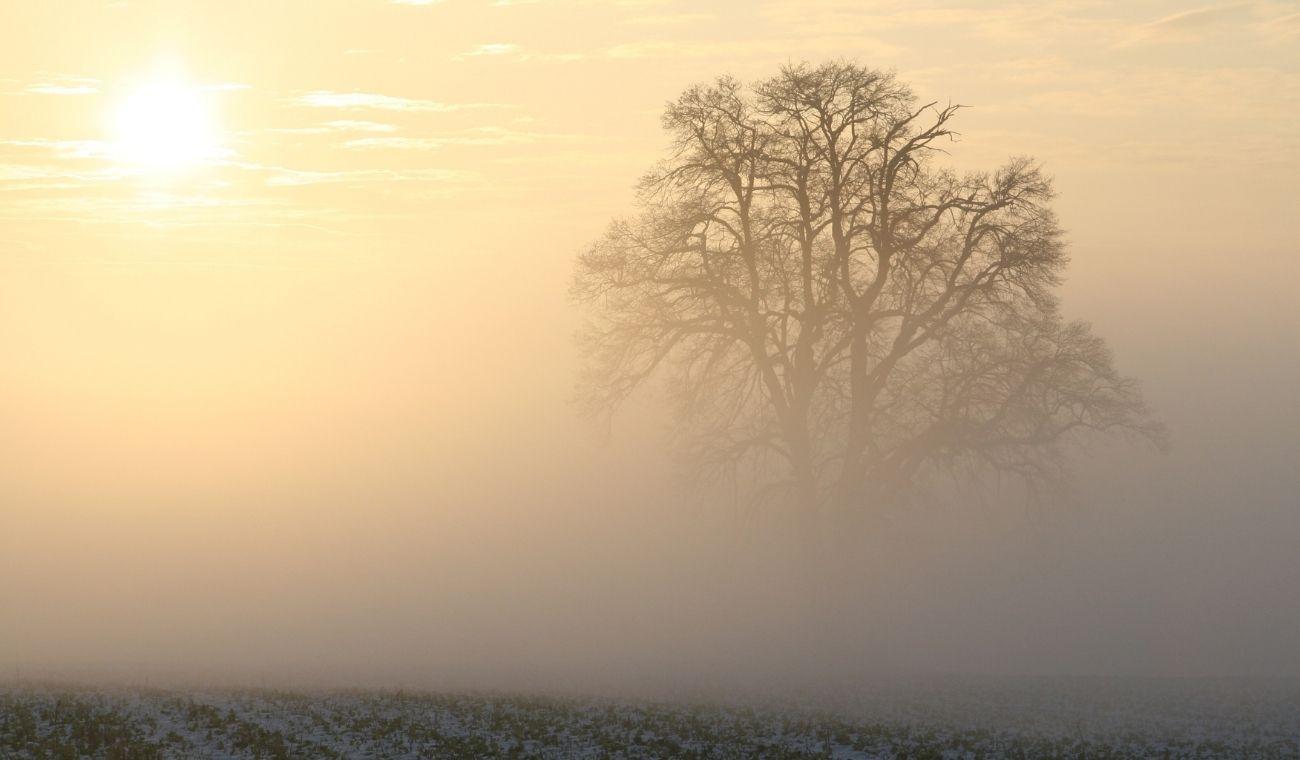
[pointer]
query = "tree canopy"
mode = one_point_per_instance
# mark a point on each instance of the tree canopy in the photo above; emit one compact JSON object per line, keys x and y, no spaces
{"x":839,"y":317}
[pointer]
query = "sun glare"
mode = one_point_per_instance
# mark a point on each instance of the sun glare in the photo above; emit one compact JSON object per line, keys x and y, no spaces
{"x":165,"y":125}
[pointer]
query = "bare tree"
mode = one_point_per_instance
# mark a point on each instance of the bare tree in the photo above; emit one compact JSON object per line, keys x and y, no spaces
{"x":839,"y":317}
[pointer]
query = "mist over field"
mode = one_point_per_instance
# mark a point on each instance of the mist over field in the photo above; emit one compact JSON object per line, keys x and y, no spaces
{"x":304,"y":416}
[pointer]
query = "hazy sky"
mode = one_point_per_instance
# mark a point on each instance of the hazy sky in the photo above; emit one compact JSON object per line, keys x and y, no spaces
{"x":284,"y":382}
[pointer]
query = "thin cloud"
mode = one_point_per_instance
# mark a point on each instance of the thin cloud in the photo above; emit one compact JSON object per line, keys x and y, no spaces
{"x":67,"y":149}
{"x":1280,"y":29}
{"x":740,"y":49}
{"x":1187,"y":26}
{"x":1037,"y":22}
{"x":729,"y":50}
{"x":22,"y":177}
{"x":671,"y":19}
{"x":65,"y":85}
{"x":282,"y":177}
{"x":490,"y":49}
{"x":477,"y":136}
{"x":361,"y":101}
{"x":336,"y":126}
{"x":349,"y":125}
{"x":62,"y":89}
{"x":228,"y":87}
{"x":396,"y":143}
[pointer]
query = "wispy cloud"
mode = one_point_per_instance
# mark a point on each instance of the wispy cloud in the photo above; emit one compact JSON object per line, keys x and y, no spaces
{"x":489,"y":49}
{"x":1280,"y":29}
{"x":28,"y":176}
{"x":469,"y":137}
{"x":349,"y":125}
{"x":723,"y":49}
{"x":360,"y":101}
{"x":228,"y":87}
{"x":282,"y":177}
{"x":336,"y":126}
{"x":1188,"y":26}
{"x":1039,"y":22}
{"x":744,"y":48}
{"x":671,"y":19}
{"x":70,"y":149}
{"x":65,"y":85}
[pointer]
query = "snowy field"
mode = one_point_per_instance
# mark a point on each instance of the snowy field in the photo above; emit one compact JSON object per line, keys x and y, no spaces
{"x":953,"y":718}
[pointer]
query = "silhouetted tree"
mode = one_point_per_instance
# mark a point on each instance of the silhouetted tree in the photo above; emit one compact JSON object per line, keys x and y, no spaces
{"x":836,"y":313}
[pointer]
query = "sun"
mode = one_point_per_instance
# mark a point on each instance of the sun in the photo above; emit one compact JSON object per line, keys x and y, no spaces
{"x":165,"y":124}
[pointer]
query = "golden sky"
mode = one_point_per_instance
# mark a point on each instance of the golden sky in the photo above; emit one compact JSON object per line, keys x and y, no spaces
{"x":368,"y":118}
{"x":335,"y":274}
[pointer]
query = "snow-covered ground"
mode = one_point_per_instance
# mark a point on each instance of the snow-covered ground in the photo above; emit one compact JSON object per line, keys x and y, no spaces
{"x":943,"y":718}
